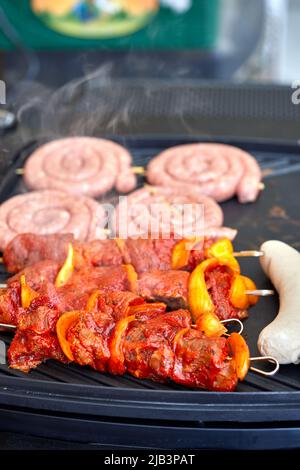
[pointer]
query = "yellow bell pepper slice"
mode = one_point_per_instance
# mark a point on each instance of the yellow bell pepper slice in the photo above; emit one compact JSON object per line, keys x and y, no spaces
{"x":240,"y":354}
{"x":237,"y":293}
{"x":27,"y":294}
{"x":201,"y":306}
{"x":67,"y":268}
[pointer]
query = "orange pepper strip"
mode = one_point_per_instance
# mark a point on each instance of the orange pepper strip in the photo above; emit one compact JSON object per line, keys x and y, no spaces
{"x":67,"y":268}
{"x":201,"y":305}
{"x":27,"y":294}
{"x":237,"y":295}
{"x":240,"y":354}
{"x":116,"y":361}
{"x":182,"y":250}
{"x":250,"y":285}
{"x":62,"y":326}
{"x":132,"y":277}
{"x":91,"y":303}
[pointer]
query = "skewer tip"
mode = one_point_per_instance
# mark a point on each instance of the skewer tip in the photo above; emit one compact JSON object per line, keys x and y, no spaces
{"x":139,"y":170}
{"x":7,"y":326}
{"x":269,"y":359}
{"x":260,"y":292}
{"x":246,"y":253}
{"x":232,"y":321}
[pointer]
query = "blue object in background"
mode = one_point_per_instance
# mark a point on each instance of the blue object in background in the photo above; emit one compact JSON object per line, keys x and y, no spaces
{"x":84,"y":11}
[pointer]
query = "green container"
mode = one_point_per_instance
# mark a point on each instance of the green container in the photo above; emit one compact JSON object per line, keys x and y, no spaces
{"x":160,"y":30}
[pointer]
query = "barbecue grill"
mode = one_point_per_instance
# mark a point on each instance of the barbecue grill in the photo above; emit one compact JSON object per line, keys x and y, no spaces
{"x":59,"y":401}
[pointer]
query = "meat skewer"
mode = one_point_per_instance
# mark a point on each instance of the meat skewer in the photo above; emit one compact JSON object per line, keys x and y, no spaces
{"x":214,"y":291}
{"x":248,"y":253}
{"x":144,"y":254}
{"x":119,"y":333}
{"x":6,"y":326}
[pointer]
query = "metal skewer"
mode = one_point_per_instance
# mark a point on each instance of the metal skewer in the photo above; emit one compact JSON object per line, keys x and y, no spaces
{"x":244,"y":253}
{"x":8,"y":326}
{"x":260,"y":292}
{"x":234,"y":320}
{"x":236,"y":254}
{"x":139,"y":170}
{"x":270,"y":359}
{"x":257,"y":292}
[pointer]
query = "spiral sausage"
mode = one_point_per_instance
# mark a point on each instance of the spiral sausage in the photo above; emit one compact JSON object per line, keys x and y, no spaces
{"x":160,"y":208}
{"x":45,"y":212}
{"x":217,"y":170}
{"x":80,"y":165}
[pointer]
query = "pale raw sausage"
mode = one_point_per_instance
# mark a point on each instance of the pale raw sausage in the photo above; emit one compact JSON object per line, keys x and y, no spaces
{"x":80,"y":165}
{"x":217,"y":170}
{"x":281,"y":338}
{"x":160,"y":210}
{"x":45,"y":212}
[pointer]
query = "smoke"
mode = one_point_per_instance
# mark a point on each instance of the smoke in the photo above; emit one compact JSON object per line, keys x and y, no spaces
{"x":111,"y":100}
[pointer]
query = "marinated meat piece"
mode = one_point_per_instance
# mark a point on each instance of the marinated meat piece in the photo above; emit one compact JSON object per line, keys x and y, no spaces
{"x":116,"y":303}
{"x":149,"y":351}
{"x":218,"y":282}
{"x":28,"y":248}
{"x":89,"y":338}
{"x":36,"y":275}
{"x":113,"y":278}
{"x":97,"y":253}
{"x":10,"y":301}
{"x":149,"y":254}
{"x":29,"y":349}
{"x":200,"y":360}
{"x":170,"y":287}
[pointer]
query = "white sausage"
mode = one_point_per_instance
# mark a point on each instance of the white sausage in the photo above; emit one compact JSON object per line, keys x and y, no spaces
{"x":281,"y":338}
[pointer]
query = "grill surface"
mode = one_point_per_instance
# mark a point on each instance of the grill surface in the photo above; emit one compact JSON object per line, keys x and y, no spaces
{"x":72,"y":389}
